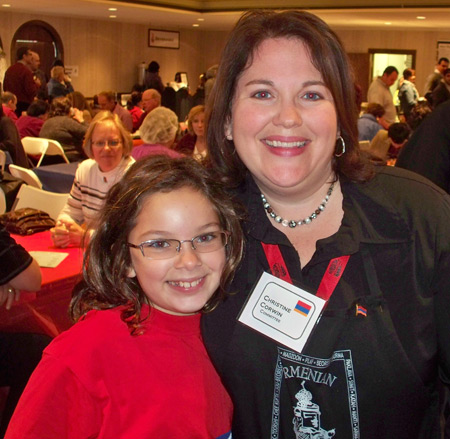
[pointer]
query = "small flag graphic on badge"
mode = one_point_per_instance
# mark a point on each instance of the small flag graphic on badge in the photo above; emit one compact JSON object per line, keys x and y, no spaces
{"x":361,"y":310}
{"x":302,"y":308}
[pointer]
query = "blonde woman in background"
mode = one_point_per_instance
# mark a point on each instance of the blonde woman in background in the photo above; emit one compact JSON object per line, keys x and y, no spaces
{"x":58,"y":86}
{"x":108,"y":145}
{"x":194,"y":142}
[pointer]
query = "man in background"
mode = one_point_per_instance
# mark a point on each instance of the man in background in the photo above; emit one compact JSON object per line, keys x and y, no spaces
{"x":442,"y":91}
{"x":435,"y":78}
{"x":19,"y":80}
{"x":151,"y":99}
{"x":107,"y":101}
{"x":380,"y":93}
{"x":39,"y":74}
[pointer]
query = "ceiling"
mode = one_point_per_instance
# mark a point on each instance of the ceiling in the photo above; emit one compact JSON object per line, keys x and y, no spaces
{"x":222,"y":14}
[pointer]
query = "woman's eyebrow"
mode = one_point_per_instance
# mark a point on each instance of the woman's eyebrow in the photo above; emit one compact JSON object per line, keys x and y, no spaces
{"x":270,"y":83}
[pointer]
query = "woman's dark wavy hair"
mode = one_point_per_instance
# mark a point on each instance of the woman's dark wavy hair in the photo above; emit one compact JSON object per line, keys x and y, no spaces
{"x":60,"y":107}
{"x":328,"y":57}
{"x":107,"y":259}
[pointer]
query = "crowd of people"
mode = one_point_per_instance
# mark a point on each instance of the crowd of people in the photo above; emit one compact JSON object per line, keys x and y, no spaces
{"x":259,"y":276}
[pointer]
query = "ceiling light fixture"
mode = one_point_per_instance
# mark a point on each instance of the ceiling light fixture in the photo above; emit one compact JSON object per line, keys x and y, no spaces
{"x":113,"y":16}
{"x":195,"y":25}
{"x":112,"y":9}
{"x":387,"y":23}
{"x":200,"y":19}
{"x":6,"y":6}
{"x":421,"y":17}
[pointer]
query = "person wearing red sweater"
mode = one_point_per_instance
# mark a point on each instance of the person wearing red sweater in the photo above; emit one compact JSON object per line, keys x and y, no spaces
{"x":19,"y":80}
{"x":134,"y":365}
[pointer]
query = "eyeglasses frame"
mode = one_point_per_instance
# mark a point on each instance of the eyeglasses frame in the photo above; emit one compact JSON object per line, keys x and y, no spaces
{"x":178,"y":248}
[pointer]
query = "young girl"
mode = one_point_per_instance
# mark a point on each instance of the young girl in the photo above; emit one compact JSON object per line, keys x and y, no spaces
{"x":134,"y":366}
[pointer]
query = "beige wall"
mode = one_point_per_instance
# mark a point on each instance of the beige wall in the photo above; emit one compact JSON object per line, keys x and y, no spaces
{"x":425,"y":44}
{"x":107,"y":53}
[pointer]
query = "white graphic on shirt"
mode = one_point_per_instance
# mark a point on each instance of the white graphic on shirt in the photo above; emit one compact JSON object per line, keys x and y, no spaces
{"x":307,"y":418}
{"x":315,"y":374}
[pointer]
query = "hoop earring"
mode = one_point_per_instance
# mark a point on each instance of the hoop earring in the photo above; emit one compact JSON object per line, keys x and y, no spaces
{"x":342,"y":146}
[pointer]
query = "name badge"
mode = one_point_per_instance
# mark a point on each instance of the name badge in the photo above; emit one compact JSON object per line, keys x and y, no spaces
{"x":281,"y":311}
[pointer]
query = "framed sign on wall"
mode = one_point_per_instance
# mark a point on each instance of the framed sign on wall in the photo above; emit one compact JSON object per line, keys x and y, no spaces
{"x":443,"y":49}
{"x":163,"y":38}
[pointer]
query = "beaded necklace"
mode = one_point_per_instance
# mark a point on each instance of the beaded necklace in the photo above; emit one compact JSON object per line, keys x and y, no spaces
{"x":293,"y":223}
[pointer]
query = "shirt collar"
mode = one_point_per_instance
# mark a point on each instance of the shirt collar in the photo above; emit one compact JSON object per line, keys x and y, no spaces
{"x":366,"y":208}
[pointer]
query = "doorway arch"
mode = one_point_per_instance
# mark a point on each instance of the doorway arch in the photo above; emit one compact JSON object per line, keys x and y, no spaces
{"x":42,"y":38}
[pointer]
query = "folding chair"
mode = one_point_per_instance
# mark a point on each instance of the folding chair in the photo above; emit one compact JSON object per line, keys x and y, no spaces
{"x":28,"y":176}
{"x":49,"y":202}
{"x":37,"y":146}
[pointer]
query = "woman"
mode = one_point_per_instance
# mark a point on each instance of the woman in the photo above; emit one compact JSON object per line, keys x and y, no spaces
{"x":108,"y":145}
{"x":373,"y":244}
{"x":66,"y":125}
{"x":59,"y":84}
{"x":79,"y":102}
{"x":194,"y":142}
{"x":158,"y":131}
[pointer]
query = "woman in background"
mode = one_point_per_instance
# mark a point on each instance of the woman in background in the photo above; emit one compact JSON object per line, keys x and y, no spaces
{"x":108,"y":145}
{"x":158,"y":131}
{"x":79,"y":102}
{"x":58,"y":85}
{"x":194,"y":141}
{"x":66,"y":125}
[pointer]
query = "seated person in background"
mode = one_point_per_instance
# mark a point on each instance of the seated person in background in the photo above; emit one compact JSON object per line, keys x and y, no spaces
{"x":79,"y":101}
{"x":66,"y":125}
{"x":151,"y":99}
{"x":9,"y":104}
{"x":387,"y":144}
{"x":58,"y":86}
{"x":108,"y":145}
{"x":134,"y":106}
{"x":30,"y":124}
{"x":10,"y":141}
{"x":158,"y":131}
{"x":134,"y":365}
{"x":19,"y":353}
{"x":194,"y":141}
{"x":107,"y":101}
{"x":442,"y":91}
{"x":368,"y":123}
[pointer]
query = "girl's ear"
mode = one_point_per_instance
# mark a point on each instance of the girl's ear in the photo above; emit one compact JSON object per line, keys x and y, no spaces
{"x":131,"y":272}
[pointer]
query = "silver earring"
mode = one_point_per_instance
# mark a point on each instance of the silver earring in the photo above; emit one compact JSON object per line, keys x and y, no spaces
{"x":229,"y":137}
{"x":342,"y":147}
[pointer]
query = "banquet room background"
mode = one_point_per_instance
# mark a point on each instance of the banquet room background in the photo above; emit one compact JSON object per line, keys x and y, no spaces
{"x":107,"y":53}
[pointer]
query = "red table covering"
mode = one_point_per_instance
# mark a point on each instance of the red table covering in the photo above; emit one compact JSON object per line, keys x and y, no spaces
{"x":45,"y":311}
